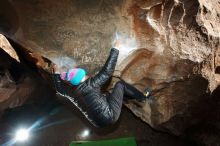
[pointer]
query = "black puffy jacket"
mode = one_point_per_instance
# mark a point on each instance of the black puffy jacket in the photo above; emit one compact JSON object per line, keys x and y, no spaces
{"x":87,"y":97}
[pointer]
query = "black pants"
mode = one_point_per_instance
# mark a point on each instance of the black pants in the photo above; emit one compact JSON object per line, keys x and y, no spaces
{"x":122,"y":91}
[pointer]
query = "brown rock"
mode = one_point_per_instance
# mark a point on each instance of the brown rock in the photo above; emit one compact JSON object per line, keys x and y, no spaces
{"x":180,"y":64}
{"x":5,"y":45}
{"x":17,"y":84}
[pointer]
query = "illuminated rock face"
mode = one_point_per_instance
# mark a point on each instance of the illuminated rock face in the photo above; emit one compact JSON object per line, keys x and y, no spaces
{"x":179,"y":59}
{"x":176,"y":51}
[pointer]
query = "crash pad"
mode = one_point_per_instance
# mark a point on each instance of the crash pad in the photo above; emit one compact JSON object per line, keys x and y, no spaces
{"x":130,"y":141}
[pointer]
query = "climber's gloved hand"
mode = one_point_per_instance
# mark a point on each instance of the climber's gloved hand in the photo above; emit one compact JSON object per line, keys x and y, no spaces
{"x":117,"y":44}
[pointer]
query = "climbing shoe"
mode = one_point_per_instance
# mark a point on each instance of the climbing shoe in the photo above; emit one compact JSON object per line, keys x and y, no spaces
{"x":147,"y":92}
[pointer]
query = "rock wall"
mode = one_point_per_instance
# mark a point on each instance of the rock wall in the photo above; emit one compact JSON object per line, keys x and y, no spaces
{"x":176,"y":49}
{"x":178,"y":58}
{"x":18,"y":82}
{"x":81,"y":30}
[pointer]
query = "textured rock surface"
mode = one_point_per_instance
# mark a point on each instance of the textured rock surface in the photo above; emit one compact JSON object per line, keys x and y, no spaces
{"x":177,"y":51}
{"x":179,"y":59}
{"x":18,"y":83}
{"x":6,"y":47}
{"x":82,"y":30}
{"x":12,"y":93}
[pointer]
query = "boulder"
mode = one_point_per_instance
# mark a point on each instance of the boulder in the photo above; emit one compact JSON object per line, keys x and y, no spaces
{"x":18,"y":82}
{"x":171,"y":46}
{"x":8,"y":87}
{"x":178,"y":58}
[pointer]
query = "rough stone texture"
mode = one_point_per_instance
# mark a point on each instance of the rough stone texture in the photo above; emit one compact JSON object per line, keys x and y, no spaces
{"x":5,"y":45}
{"x":82,"y":30}
{"x":17,"y":82}
{"x":8,"y":91}
{"x":177,"y":51}
{"x":180,"y":60}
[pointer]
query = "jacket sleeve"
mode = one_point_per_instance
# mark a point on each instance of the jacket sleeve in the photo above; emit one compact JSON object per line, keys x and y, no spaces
{"x":107,"y":70}
{"x":58,"y":85}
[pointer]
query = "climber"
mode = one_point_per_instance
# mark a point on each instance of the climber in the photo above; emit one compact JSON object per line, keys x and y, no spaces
{"x":84,"y":91}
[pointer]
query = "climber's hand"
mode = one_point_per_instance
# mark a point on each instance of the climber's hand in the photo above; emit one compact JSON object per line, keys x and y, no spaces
{"x":117,"y":44}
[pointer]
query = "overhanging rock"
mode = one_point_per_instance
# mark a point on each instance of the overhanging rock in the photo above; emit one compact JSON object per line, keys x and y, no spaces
{"x":177,"y":50}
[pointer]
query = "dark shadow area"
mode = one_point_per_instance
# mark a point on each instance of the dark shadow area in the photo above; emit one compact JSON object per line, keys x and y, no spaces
{"x":9,"y":20}
{"x":11,"y":67}
{"x":217,"y":70}
{"x":59,"y":123}
{"x":207,"y":130}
